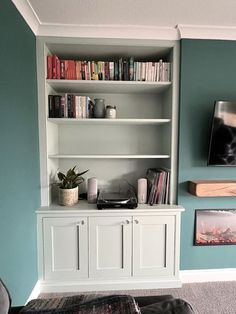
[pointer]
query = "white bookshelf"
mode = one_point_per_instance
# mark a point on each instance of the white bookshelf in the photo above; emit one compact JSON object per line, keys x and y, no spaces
{"x":117,"y":151}
{"x":72,"y":254}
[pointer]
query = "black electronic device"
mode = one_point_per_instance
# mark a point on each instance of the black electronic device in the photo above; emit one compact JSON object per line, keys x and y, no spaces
{"x":222,"y":148}
{"x":115,"y":200}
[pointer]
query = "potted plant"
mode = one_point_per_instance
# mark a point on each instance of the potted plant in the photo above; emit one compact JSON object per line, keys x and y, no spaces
{"x":69,"y":186}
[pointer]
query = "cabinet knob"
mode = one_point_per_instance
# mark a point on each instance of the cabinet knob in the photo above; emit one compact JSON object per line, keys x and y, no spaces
{"x":136,"y":221}
{"x":82,"y":222}
{"x":127,"y":222}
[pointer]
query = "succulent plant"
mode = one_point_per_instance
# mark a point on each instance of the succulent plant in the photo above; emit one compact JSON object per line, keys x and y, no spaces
{"x":71,"y":179}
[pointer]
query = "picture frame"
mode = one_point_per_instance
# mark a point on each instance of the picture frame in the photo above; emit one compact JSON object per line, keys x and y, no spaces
{"x":215,"y":227}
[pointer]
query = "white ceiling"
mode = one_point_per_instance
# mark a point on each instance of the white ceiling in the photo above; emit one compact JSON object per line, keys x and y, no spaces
{"x":45,"y":14}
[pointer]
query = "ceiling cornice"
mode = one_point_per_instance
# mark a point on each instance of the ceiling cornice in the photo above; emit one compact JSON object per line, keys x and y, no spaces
{"x":206,"y":32}
{"x":180,"y":31}
{"x":109,"y":31}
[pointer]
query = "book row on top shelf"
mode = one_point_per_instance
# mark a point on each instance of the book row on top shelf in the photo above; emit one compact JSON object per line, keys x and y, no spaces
{"x":121,"y":70}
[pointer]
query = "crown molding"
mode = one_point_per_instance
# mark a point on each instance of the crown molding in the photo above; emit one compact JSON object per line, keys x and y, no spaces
{"x":206,"y":32}
{"x":109,"y":31}
{"x":180,"y":31}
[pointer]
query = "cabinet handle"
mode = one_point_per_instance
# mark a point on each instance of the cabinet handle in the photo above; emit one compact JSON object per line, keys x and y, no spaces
{"x":127,"y":222}
{"x":136,"y":221}
{"x":80,"y":223}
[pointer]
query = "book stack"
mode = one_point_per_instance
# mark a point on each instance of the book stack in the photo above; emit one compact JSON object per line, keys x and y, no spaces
{"x":69,"y":106}
{"x":119,"y":70}
{"x":158,"y":185}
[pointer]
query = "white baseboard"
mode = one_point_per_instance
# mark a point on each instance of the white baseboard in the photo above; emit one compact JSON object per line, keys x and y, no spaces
{"x":35,"y":292}
{"x":186,"y":276}
{"x":204,"y":275}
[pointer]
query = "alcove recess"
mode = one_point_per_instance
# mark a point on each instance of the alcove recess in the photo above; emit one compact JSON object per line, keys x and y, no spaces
{"x":212,"y":188}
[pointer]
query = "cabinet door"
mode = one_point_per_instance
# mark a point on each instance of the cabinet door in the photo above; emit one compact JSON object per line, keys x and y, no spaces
{"x":153,"y":245}
{"x":65,"y":248}
{"x":110,"y":247}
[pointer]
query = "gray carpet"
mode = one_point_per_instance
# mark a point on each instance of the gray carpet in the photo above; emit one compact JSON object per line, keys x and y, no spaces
{"x":205,"y":298}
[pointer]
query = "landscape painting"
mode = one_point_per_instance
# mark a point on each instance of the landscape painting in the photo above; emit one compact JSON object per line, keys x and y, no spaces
{"x":215,"y":227}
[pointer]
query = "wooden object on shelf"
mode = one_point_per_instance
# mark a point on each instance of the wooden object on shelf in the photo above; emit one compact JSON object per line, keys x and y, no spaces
{"x":212,"y":188}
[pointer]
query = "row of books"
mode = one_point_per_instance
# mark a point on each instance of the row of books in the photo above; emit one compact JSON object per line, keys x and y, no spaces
{"x":121,"y":70}
{"x":69,"y":106}
{"x":158,"y":185}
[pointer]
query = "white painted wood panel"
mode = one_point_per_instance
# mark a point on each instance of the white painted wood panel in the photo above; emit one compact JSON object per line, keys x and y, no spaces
{"x":65,"y":246}
{"x":110,"y":247}
{"x":153,"y":243}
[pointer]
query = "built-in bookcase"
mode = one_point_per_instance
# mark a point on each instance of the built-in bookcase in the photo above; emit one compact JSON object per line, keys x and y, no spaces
{"x":118,"y":151}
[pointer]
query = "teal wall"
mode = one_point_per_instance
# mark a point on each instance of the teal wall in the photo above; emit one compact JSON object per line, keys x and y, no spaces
{"x":19,"y":157}
{"x":208,"y":73}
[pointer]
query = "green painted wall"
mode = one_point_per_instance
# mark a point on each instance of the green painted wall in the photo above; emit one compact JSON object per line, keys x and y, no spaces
{"x":208,"y":73}
{"x":19,"y":157}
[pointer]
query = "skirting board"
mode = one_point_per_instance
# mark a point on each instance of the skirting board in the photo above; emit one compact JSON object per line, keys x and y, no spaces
{"x":35,"y":292}
{"x":186,"y":276}
{"x":204,"y":275}
{"x":82,"y":286}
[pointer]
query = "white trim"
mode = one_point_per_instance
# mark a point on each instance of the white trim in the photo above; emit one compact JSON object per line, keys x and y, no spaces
{"x":180,"y":31}
{"x":105,"y":285}
{"x":204,"y":275}
{"x":206,"y":32}
{"x":35,"y":292}
{"x":28,"y":14}
{"x":108,"y":31}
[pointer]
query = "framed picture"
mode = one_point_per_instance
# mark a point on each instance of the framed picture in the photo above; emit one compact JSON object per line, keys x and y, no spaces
{"x":215,"y":226}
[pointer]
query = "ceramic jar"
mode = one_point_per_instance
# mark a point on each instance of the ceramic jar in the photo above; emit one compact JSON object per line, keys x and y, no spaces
{"x":99,"y":108}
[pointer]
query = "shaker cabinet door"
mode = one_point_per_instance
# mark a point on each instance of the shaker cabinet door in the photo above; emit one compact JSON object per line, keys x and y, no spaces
{"x":110,"y":247}
{"x":153,"y":245}
{"x":65,"y":248}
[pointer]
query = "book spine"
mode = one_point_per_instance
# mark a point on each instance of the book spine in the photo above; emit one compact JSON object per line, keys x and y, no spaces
{"x":58,"y":68}
{"x":62,"y":69}
{"x":116,"y":71}
{"x":63,"y":107}
{"x":57,"y":104}
{"x":111,"y":71}
{"x":51,"y":107}
{"x":107,"y":71}
{"x":131,"y":69}
{"x":120,"y":69}
{"x":49,"y":67}
{"x":54,"y":67}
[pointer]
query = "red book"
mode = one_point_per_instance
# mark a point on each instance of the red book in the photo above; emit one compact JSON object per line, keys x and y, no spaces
{"x":54,"y":67}
{"x":62,"y":69}
{"x":58,"y":68}
{"x":49,"y":67}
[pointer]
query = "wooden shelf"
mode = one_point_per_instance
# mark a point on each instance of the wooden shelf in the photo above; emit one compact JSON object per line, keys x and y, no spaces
{"x":212,"y":188}
{"x":112,"y":87}
{"x":108,"y":121}
{"x":109,"y":156}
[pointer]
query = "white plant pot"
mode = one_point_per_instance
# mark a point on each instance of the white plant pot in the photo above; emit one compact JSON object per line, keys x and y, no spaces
{"x":68,"y":197}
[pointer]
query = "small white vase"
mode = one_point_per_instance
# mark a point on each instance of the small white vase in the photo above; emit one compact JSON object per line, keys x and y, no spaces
{"x":68,"y":197}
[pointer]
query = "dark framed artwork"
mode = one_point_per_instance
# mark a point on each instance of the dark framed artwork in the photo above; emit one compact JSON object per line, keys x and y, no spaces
{"x":215,"y":226}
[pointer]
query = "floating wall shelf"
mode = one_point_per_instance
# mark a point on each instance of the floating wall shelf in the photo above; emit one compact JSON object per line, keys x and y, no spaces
{"x":212,"y":188}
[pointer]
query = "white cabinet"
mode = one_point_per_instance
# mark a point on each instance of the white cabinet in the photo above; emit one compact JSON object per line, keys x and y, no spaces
{"x":65,"y":246}
{"x":81,"y":248}
{"x":109,"y":249}
{"x":153,"y":243}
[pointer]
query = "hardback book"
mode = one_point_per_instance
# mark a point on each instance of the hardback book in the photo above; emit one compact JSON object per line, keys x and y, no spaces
{"x":49,"y":67}
{"x":131,"y":69}
{"x":111,"y":71}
